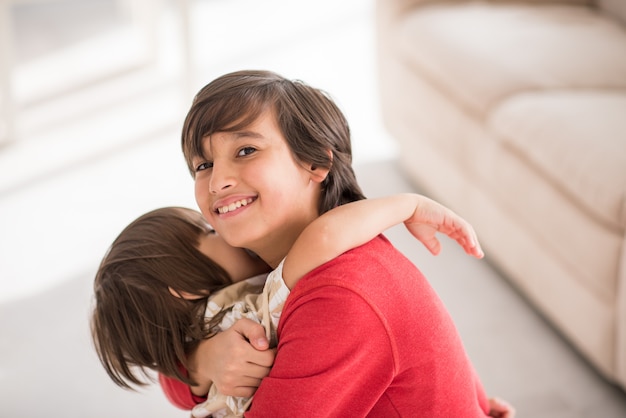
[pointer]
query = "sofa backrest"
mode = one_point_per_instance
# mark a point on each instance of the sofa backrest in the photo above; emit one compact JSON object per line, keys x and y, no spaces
{"x":407,"y":4}
{"x":613,"y":8}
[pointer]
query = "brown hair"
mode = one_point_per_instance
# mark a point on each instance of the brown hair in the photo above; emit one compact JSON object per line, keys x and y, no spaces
{"x":137,"y":325}
{"x":309,"y":120}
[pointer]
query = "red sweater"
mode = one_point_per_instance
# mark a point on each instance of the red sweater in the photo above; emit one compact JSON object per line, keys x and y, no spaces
{"x":364,"y":335}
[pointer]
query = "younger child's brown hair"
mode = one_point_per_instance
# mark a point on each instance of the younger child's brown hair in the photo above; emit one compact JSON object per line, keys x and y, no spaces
{"x":137,"y":325}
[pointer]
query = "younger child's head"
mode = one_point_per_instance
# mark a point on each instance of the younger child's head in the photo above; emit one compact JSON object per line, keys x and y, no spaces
{"x":151,"y":290}
{"x":315,"y":129}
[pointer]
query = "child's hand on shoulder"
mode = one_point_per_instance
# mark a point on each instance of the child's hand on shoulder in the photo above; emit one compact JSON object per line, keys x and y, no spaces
{"x":499,"y":408}
{"x":431,"y":217}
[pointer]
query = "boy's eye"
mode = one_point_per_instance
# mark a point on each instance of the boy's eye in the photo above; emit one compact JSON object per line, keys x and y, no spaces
{"x":246,"y":151}
{"x":204,"y":166}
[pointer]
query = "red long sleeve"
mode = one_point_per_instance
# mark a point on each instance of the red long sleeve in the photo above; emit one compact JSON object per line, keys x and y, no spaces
{"x":178,"y":393}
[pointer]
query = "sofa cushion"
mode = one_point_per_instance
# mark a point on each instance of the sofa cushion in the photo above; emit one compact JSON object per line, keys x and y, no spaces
{"x":578,"y":140}
{"x":511,"y":48}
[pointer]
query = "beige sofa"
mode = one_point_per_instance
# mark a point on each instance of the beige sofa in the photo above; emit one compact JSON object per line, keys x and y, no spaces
{"x":514,"y":114}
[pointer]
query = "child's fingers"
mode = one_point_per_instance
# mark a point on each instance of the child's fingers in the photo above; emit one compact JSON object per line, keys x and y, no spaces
{"x":433,"y":245}
{"x":470,"y":244}
{"x":500,"y":408}
{"x":465,"y":236}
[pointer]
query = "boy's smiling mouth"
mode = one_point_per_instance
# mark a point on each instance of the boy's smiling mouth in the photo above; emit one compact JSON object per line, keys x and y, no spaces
{"x":234,"y":205}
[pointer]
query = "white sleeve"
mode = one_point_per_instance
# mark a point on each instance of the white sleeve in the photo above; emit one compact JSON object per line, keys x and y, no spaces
{"x":274,"y":295}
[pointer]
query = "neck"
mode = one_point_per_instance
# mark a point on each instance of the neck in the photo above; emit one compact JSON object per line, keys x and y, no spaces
{"x":274,"y":248}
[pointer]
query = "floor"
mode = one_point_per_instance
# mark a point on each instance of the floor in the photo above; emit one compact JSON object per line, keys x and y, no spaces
{"x":91,"y":159}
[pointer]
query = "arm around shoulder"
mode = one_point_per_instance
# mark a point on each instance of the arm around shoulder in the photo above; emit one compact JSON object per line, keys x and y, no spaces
{"x":356,"y":223}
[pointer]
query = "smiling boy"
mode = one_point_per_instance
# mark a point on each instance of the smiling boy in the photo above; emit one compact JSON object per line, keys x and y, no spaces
{"x":278,"y":153}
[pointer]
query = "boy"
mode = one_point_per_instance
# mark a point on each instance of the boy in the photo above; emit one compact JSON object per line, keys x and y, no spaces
{"x":283,"y":148}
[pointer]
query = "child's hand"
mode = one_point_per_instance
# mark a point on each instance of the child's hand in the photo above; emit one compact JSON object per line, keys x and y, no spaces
{"x":499,"y":408}
{"x":235,"y":360}
{"x":430,"y":217}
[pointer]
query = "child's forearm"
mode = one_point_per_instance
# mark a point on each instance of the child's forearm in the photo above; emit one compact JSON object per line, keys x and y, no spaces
{"x":354,"y":224}
{"x":344,"y":228}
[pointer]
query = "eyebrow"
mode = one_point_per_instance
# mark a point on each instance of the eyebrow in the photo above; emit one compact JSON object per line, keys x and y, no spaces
{"x":248,"y":134}
{"x":238,"y":135}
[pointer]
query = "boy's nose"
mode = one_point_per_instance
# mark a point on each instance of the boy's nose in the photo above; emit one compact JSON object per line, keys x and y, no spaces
{"x":222,"y":177}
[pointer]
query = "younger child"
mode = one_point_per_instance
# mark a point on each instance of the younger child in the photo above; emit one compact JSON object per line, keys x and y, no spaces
{"x":159,"y":290}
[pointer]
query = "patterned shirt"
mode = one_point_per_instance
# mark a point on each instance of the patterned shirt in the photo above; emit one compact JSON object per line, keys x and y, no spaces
{"x":258,"y":299}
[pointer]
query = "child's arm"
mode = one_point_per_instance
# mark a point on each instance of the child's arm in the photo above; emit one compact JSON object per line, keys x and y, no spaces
{"x":356,"y":223}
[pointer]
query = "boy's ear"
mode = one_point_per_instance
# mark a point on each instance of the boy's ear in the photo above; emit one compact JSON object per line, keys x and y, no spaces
{"x":319,"y":174}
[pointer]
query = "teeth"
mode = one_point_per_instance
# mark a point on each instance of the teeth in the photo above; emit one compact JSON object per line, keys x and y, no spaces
{"x":234,"y":205}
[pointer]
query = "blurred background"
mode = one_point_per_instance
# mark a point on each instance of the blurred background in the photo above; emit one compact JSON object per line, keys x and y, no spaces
{"x":93,"y":94}
{"x":92,"y":81}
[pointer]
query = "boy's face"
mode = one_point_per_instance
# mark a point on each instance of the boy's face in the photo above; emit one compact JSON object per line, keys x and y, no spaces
{"x":251,"y":190}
